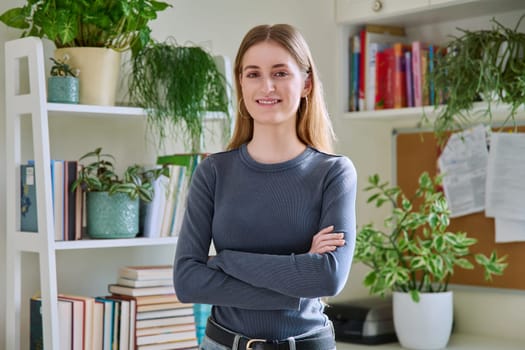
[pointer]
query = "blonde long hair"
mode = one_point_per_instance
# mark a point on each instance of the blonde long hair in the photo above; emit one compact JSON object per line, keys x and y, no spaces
{"x":314,"y":127}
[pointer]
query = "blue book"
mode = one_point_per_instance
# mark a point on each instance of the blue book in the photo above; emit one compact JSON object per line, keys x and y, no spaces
{"x":28,"y":209}
{"x":36,"y":338}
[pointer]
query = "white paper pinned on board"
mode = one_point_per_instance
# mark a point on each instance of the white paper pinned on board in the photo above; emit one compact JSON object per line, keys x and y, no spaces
{"x":505,"y":189}
{"x":463,"y":164}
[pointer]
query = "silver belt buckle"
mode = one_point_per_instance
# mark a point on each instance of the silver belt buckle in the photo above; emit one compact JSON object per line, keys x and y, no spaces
{"x":251,"y":341}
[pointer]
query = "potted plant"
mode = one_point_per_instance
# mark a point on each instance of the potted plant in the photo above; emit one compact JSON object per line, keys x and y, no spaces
{"x":112,"y":201}
{"x":62,"y":85}
{"x":92,"y":33}
{"x":178,"y":85}
{"x":480,"y":65}
{"x":414,"y":256}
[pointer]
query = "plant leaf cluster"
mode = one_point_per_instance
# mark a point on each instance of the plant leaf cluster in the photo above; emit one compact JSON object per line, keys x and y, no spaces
{"x":414,"y":251}
{"x":100,"y":176}
{"x":486,"y":65}
{"x":61,"y":69}
{"x":177,"y":85}
{"x":117,"y":24}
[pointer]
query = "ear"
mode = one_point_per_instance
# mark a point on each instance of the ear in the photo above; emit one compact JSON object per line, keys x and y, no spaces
{"x":307,"y":85}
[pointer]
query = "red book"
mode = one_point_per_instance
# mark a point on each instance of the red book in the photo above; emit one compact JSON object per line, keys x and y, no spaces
{"x":381,"y":74}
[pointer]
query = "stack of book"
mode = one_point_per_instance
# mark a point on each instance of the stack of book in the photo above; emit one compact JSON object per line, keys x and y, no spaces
{"x":161,"y":321}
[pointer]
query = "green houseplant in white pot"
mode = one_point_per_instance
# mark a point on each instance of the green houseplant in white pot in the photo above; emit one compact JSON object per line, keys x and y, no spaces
{"x":112,"y":201}
{"x":62,"y":85}
{"x":414,"y":256}
{"x":92,"y":33}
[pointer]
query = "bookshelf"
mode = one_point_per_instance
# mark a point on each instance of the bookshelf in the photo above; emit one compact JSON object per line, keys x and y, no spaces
{"x":427,"y":20}
{"x":26,"y":98}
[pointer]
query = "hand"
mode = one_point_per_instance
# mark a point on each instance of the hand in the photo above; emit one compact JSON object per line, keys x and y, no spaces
{"x":326,"y":241}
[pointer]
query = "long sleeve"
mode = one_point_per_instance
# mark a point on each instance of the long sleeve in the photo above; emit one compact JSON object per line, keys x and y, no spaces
{"x":261,"y":219}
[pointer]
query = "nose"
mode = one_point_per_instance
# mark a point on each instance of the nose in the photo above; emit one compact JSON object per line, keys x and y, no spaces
{"x":268,"y":85}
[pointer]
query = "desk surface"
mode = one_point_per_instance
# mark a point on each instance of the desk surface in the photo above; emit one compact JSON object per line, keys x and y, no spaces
{"x":457,"y":342}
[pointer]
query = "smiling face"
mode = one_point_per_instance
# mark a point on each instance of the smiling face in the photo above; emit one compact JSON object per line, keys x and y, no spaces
{"x":272,"y":84}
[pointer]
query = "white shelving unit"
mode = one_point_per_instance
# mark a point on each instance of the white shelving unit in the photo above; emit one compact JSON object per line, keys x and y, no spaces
{"x":26,"y":98}
{"x":419,"y":17}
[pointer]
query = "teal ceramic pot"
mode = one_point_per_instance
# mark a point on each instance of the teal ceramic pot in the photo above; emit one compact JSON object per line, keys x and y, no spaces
{"x":63,"y":89}
{"x":112,"y":216}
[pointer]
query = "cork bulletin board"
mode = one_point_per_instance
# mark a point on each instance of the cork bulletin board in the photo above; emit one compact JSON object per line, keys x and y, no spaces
{"x":417,"y":151}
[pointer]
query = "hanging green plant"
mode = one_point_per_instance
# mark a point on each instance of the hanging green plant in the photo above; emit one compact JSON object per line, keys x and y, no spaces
{"x":481,"y":65}
{"x":177,"y":85}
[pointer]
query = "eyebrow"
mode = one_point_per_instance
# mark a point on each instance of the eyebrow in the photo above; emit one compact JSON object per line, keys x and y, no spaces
{"x":279,"y":65}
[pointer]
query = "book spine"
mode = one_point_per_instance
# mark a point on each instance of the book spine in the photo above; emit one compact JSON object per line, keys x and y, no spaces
{"x":399,"y":91}
{"x":362,"y":70}
{"x":356,"y":62}
{"x":416,"y":73}
{"x":381,"y":73}
{"x":409,"y":79}
{"x":28,"y":207}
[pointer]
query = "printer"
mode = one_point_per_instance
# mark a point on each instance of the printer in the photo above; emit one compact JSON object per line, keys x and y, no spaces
{"x":363,"y":321}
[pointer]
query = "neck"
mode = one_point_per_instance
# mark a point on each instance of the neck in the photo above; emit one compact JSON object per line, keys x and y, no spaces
{"x":275,"y":148}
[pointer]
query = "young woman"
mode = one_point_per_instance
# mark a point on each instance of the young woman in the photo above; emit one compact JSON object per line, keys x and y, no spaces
{"x":278,"y":206}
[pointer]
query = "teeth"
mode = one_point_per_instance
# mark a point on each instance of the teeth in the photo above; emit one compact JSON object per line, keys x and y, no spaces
{"x":267,"y":102}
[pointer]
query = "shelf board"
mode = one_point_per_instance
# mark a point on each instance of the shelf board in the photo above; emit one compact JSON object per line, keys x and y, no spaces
{"x":114,"y":243}
{"x":95,"y":110}
{"x":100,"y":111}
{"x":499,"y":112}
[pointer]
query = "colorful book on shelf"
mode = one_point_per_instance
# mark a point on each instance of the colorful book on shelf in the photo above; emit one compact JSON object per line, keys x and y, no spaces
{"x":374,"y":81}
{"x":149,"y":300}
{"x":409,"y":84}
{"x":373,"y":34}
{"x":163,"y":322}
{"x":166,"y":329}
{"x":399,"y":74}
{"x":419,"y":52}
{"x":28,"y":205}
{"x":155,"y":209}
{"x":36,"y":333}
{"x":163,"y":306}
{"x":177,"y":178}
{"x":146,"y":272}
{"x":174,"y":336}
{"x":131,"y":291}
{"x":353,"y":68}
{"x":183,"y":311}
{"x":86,"y":316}
{"x":182,"y":344}
{"x":109,"y":317}
{"x":128,"y":282}
{"x":98,"y":325}
{"x":78,"y":321}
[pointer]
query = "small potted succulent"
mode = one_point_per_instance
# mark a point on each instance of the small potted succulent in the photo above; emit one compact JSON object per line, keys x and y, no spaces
{"x":62,"y":85}
{"x":112,"y":202}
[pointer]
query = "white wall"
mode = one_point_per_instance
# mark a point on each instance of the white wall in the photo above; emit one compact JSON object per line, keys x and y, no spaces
{"x":219,"y":26}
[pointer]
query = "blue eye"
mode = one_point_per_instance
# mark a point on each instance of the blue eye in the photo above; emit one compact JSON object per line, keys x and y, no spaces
{"x":281,"y":74}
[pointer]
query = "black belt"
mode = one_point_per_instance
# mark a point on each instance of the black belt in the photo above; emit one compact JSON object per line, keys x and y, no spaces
{"x":321,"y":341}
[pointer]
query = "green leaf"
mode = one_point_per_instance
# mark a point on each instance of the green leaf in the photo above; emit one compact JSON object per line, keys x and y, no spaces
{"x":16,"y":17}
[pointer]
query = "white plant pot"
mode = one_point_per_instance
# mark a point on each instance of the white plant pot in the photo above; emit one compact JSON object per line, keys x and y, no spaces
{"x":99,"y":73}
{"x":425,"y":325}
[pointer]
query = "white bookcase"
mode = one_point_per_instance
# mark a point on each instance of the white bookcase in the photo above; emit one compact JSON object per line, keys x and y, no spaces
{"x":26,"y":98}
{"x":426,"y":20}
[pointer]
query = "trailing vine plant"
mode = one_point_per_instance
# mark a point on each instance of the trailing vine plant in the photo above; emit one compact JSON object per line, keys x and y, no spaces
{"x":487,"y":65}
{"x":177,"y":85}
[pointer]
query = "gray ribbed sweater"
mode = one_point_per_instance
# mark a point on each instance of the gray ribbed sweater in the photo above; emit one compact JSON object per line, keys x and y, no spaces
{"x":263,"y":283}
